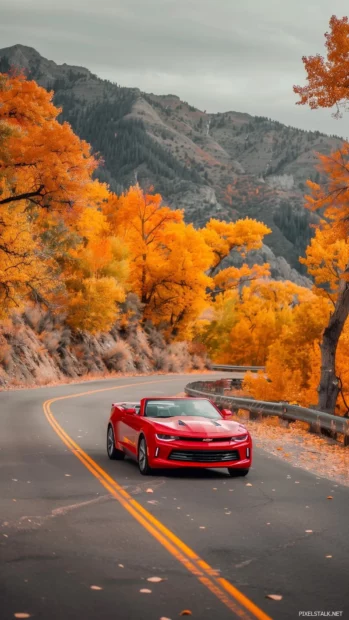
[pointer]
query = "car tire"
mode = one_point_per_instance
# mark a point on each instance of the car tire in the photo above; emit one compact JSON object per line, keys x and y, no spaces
{"x":143,"y":458}
{"x":113,"y":453}
{"x":237,"y":473}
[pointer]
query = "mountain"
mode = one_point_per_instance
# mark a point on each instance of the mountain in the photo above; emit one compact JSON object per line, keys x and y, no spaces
{"x":227,"y":165}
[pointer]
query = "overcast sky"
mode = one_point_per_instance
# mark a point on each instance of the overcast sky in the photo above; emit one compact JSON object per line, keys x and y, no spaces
{"x":218,"y":55}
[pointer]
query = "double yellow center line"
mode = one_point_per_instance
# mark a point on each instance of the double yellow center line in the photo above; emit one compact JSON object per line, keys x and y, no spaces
{"x":220,"y":587}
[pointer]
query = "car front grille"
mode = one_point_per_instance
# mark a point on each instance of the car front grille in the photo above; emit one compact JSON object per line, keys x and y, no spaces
{"x":204,"y":456}
{"x":205,"y":439}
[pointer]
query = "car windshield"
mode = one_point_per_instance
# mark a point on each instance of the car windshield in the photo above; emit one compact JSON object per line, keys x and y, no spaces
{"x":186,"y":407}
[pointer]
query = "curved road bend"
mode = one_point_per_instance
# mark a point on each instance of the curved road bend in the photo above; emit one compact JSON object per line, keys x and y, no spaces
{"x":71,"y":520}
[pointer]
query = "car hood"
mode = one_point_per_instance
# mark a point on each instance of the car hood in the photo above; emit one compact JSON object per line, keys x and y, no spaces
{"x":202,"y":427}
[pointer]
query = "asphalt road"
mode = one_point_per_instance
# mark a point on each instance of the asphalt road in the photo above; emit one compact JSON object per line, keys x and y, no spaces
{"x":62,"y":531}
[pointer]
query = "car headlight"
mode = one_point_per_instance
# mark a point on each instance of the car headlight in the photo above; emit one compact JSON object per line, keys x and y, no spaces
{"x":240,"y":438}
{"x":167,"y":437}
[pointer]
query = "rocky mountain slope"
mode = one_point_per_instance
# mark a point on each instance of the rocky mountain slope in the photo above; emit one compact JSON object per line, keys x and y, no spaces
{"x":225,"y":165}
{"x":38,"y":348}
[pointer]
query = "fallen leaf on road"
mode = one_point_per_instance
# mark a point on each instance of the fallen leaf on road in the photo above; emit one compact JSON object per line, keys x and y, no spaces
{"x":214,"y":489}
{"x":163,"y":618}
{"x":149,"y":491}
{"x":248,"y":484}
{"x":296,"y":482}
{"x":145,"y":591}
{"x":121,"y":565}
{"x":156,"y":579}
{"x":95,"y":588}
{"x":14,"y":480}
{"x":268,"y":523}
{"x":152,"y":501}
{"x":202,"y":527}
{"x":308,"y":531}
{"x":329,"y":556}
{"x":274,"y":597}
{"x":21,"y":615}
{"x":186,"y":612}
{"x":67,"y":475}
{"x":330,"y":497}
{"x":279,"y":448}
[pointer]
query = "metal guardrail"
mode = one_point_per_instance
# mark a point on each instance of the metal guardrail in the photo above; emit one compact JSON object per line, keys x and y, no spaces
{"x":318,"y":420}
{"x":236,"y":368}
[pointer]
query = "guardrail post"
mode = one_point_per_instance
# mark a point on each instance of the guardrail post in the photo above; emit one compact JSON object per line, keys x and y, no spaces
{"x":346,"y":435}
{"x":284,"y":422}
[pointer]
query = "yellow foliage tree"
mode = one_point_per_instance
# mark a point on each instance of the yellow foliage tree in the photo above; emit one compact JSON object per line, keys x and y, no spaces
{"x":293,"y":357}
{"x":95,"y":274}
{"x":241,"y":237}
{"x":21,"y":259}
{"x":261,"y":311}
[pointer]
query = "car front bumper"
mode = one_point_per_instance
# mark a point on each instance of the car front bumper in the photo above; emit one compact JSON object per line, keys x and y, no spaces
{"x":176,"y":454}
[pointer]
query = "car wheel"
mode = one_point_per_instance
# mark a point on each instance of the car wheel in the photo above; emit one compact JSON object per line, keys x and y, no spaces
{"x":143,"y":458}
{"x":113,"y":453}
{"x":236,"y":473}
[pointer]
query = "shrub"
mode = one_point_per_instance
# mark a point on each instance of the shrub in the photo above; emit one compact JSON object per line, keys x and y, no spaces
{"x":5,"y":353}
{"x":51,"y":340}
{"x":180,"y":357}
{"x":119,"y":357}
{"x":32,"y":317}
{"x":161,"y":359}
{"x":138,"y":341}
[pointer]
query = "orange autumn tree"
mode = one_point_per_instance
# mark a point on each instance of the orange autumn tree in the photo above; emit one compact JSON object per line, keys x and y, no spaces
{"x":46,"y":164}
{"x":168,"y":259}
{"x":328,"y":78}
{"x":175,"y":268}
{"x":54,"y":246}
{"x":328,"y":85}
{"x":294,"y":360}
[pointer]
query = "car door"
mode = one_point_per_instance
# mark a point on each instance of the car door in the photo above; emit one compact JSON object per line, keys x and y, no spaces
{"x":131,"y":426}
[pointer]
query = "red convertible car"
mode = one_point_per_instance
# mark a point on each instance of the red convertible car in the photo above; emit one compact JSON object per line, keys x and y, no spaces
{"x":178,"y":432}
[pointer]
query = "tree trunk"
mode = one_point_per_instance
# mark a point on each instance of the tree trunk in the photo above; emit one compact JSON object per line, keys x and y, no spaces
{"x":329,"y":383}
{"x":143,"y":285}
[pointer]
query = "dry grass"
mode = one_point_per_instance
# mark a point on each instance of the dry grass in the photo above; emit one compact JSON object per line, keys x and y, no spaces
{"x":314,"y":453}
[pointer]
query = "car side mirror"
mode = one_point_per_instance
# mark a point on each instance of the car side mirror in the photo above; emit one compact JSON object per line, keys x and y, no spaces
{"x":226,"y":414}
{"x":131,"y":411}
